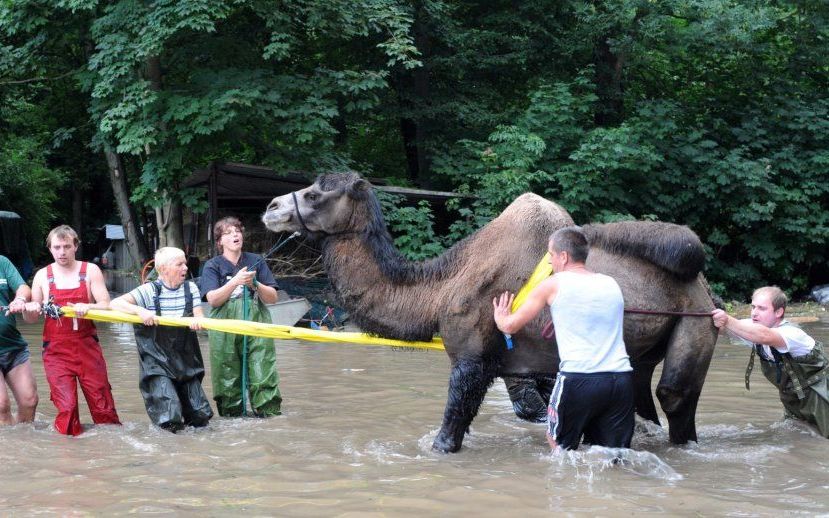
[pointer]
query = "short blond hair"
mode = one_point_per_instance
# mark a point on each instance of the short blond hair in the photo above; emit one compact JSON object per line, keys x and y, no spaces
{"x":777,"y":296}
{"x":62,"y":232}
{"x":166,"y":254}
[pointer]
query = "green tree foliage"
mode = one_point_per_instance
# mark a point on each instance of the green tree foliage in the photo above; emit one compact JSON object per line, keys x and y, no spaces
{"x":172,"y":79}
{"x":723,"y":129}
{"x":28,"y":185}
{"x":176,"y":83}
{"x":41,"y":105}
{"x":413,"y":227}
{"x":710,"y":113}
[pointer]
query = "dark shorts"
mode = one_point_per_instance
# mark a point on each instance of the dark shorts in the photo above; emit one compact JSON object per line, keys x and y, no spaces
{"x":11,"y":359}
{"x":598,"y":406}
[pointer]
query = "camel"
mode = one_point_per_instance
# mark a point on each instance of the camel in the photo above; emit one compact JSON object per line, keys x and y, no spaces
{"x":657,"y":265}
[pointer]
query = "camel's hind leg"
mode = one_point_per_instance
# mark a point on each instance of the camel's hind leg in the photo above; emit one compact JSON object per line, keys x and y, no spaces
{"x":468,"y":382}
{"x":642,"y":376}
{"x":643,"y":367}
{"x":530,"y":395}
{"x":690,"y":348}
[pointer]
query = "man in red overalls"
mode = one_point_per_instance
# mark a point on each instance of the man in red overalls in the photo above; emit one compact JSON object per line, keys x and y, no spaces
{"x":70,"y":345}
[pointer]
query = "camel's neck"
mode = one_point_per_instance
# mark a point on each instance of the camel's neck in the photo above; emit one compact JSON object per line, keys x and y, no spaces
{"x":384,"y":293}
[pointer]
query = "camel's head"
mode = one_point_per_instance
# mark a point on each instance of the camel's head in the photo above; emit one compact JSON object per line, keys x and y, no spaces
{"x":334,"y":204}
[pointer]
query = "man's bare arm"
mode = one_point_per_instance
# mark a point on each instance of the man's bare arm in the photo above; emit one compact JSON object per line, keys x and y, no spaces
{"x":126,"y":304}
{"x":97,"y":285}
{"x":539,"y":297}
{"x":21,"y":296}
{"x":753,"y":332}
{"x":31,"y":312}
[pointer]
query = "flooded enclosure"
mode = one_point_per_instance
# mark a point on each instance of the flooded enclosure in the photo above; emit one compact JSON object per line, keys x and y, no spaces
{"x":356,"y":436}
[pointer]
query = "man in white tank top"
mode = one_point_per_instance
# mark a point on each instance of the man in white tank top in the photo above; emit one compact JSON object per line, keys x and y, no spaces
{"x":593,"y":395}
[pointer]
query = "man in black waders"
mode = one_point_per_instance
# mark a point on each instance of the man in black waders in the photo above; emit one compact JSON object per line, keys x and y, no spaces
{"x":790,"y":359}
{"x":170,"y":361}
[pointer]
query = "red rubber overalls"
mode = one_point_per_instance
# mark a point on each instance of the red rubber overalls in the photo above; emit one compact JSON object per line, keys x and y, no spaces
{"x":71,"y":350}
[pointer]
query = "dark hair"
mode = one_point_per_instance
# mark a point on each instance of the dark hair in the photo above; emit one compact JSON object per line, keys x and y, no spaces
{"x":222,"y":226}
{"x":571,"y":240}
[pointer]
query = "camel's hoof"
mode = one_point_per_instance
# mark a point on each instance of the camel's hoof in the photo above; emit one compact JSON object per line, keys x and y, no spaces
{"x":445,"y":445}
{"x":683,"y":436}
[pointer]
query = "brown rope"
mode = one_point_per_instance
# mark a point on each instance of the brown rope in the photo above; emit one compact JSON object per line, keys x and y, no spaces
{"x":674,"y":313}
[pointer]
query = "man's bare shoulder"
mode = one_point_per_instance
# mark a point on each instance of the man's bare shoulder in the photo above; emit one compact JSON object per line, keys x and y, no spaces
{"x":93,"y":269}
{"x":552,"y":280}
{"x":548,"y":288}
{"x":40,"y":288}
{"x":40,"y":275}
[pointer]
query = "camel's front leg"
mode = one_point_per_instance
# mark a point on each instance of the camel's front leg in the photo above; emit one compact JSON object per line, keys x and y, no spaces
{"x":468,"y":382}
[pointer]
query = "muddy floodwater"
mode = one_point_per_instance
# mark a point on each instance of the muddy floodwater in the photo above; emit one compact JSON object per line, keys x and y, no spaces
{"x":355,"y":440}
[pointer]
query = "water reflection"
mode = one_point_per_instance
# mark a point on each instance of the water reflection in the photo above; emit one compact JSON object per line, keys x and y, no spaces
{"x":356,"y":434}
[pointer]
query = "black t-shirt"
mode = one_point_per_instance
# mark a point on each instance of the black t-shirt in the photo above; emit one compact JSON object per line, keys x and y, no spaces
{"x":218,"y":270}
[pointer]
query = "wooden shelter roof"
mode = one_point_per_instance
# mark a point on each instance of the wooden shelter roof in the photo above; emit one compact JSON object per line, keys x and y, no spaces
{"x":235,"y":187}
{"x":234,"y":181}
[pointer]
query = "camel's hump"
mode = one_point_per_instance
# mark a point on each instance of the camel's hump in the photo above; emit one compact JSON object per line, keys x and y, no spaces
{"x":531,"y":205}
{"x":675,"y":248}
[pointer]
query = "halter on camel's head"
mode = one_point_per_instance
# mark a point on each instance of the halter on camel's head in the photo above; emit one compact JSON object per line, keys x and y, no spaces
{"x":331,"y":206}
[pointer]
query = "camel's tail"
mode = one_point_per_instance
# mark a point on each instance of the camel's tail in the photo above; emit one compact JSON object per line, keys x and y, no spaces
{"x":675,"y":248}
{"x":716,"y":299}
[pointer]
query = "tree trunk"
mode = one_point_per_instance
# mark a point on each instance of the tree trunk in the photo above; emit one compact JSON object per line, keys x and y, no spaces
{"x":408,"y":131}
{"x":339,"y":122}
{"x":132,"y":231}
{"x":421,"y":92}
{"x":413,"y":94}
{"x":170,"y":224}
{"x":77,"y":213}
{"x":153,"y":64}
{"x":609,"y":88}
{"x":168,"y":217}
{"x":412,"y":129}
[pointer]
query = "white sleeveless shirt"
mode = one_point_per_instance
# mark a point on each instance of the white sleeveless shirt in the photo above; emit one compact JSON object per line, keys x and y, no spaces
{"x":587,"y":314}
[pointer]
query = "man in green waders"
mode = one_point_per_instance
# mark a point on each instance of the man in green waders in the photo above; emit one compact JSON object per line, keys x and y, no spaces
{"x":234,"y":282}
{"x":790,"y":359}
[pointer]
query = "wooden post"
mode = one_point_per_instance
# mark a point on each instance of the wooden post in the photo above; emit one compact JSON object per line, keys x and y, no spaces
{"x":213,"y":201}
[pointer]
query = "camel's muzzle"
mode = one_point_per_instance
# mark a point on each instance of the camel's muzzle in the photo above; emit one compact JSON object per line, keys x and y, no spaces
{"x":279,"y":221}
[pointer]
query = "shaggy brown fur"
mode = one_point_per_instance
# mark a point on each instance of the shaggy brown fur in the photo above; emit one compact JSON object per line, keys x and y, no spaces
{"x":675,"y":248}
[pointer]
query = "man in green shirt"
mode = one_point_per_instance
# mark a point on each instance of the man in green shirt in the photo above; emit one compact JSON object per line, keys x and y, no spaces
{"x":15,"y":367}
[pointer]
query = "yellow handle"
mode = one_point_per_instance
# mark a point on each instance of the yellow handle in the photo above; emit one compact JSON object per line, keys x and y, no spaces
{"x":543,"y":270}
{"x":242,"y":327}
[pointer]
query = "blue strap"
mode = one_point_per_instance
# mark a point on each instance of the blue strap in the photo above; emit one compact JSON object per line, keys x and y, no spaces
{"x":157,"y":297}
{"x":508,"y":339}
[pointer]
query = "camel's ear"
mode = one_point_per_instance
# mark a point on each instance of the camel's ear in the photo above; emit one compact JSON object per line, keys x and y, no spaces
{"x":358,"y":187}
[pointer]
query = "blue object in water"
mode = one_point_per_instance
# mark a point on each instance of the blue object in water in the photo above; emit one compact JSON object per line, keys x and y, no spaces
{"x":508,"y":338}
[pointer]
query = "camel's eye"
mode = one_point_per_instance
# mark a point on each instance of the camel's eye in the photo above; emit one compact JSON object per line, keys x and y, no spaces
{"x":311,"y":196}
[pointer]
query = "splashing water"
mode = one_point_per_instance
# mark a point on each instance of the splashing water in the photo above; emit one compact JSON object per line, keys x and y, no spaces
{"x":594,"y":460}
